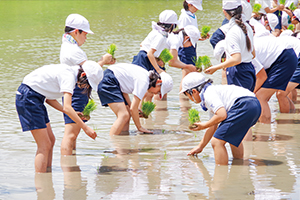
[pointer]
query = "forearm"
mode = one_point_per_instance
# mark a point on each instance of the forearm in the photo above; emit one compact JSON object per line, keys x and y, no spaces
{"x":67,"y":109}
{"x":153,"y":62}
{"x":55,"y":104}
{"x":207,"y":136}
{"x":127,"y":99}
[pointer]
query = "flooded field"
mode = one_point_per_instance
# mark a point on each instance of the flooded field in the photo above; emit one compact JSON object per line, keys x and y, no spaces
{"x":137,"y":166}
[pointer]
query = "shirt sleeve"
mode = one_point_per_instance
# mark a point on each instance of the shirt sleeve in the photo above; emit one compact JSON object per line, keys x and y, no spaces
{"x":232,"y":42}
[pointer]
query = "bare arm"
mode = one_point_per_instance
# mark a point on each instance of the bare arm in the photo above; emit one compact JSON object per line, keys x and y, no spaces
{"x":174,"y":62}
{"x":152,"y":60}
{"x":234,"y":60}
{"x":261,"y":77}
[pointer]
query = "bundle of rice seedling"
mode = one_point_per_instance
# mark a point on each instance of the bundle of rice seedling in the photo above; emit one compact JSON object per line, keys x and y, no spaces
{"x":293,"y":7}
{"x":282,"y":2}
{"x":147,"y":108}
{"x":204,"y":31}
{"x":165,"y":56}
{"x":111,"y":50}
{"x":256,"y":8}
{"x":206,"y":62}
{"x":198,"y":63}
{"x":193,"y":117}
{"x":90,"y":107}
{"x":291,"y":27}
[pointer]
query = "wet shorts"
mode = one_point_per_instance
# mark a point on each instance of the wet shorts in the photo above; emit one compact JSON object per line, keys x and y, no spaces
{"x":31,"y":109}
{"x":242,"y":115}
{"x":109,"y":90}
{"x":79,"y":101}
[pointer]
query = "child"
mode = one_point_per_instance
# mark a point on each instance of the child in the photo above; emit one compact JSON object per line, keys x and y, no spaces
{"x":239,"y":46}
{"x":188,"y":17}
{"x":233,"y":111}
{"x":49,"y":83}
{"x":76,"y":29}
{"x":123,"y":79}
{"x":185,"y":37}
{"x":155,"y":42}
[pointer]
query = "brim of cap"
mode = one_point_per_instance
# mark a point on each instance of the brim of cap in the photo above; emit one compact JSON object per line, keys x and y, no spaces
{"x":182,"y":91}
{"x":199,"y":7}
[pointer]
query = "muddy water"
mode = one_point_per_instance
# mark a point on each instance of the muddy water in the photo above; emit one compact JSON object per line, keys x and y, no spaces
{"x":135,"y":166}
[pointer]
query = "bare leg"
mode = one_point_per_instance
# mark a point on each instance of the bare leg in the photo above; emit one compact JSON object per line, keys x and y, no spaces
{"x":67,"y":144}
{"x":123,"y":117}
{"x":220,"y":152}
{"x":264,"y":95}
{"x":237,"y":152}
{"x":285,"y":104}
{"x":44,"y":143}
{"x":248,"y":136}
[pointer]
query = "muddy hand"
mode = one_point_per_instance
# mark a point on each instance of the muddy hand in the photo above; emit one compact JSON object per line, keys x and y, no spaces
{"x":143,"y":130}
{"x":195,"y":151}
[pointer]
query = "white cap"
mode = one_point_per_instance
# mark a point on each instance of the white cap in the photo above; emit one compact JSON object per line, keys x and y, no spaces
{"x":94,"y":73}
{"x":167,"y":84}
{"x":193,"y":33}
{"x":196,"y":3}
{"x":168,"y":17}
{"x":273,"y":20}
{"x":78,"y":22}
{"x":193,"y":79}
{"x":286,"y":33}
{"x":231,"y":4}
{"x":219,"y":50}
{"x":297,"y":13}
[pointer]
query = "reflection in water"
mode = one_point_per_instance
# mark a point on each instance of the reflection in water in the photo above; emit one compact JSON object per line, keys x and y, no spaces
{"x":44,"y":186}
{"x":74,"y":185}
{"x":271,"y":137}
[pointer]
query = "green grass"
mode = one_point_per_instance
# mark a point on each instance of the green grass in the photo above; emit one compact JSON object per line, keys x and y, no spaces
{"x":256,"y":8}
{"x":198,"y":63}
{"x":193,"y":116}
{"x":111,"y":50}
{"x":90,"y":107}
{"x":147,"y":108}
{"x":204,"y":31}
{"x":165,"y":56}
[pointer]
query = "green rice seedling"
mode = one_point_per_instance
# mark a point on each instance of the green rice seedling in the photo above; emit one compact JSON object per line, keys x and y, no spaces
{"x":204,"y":31}
{"x":111,"y":50}
{"x":282,"y":2}
{"x":291,"y":27}
{"x":165,"y":56}
{"x":90,"y":107}
{"x":293,"y":7}
{"x":256,"y":8}
{"x":193,"y":117}
{"x":165,"y":155}
{"x":198,"y":63}
{"x":206,"y":62}
{"x":147,"y":108}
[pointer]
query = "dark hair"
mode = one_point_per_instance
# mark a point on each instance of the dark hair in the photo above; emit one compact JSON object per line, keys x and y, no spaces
{"x":167,"y":27}
{"x":198,"y":87}
{"x":82,"y":80}
{"x":295,"y":33}
{"x":180,"y":30}
{"x":237,"y":14}
{"x":185,"y":6}
{"x":69,"y":29}
{"x":153,"y":76}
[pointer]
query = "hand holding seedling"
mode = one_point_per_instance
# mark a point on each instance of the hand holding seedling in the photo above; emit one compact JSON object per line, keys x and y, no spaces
{"x":107,"y":59}
{"x":197,"y":126}
{"x":205,"y":38}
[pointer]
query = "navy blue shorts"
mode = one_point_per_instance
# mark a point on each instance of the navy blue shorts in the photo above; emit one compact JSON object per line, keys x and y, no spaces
{"x":242,"y":75}
{"x":31,"y":109}
{"x":242,"y":115}
{"x":79,"y":101}
{"x":216,"y":37}
{"x":187,"y":54}
{"x":109,"y":90}
{"x":296,"y":76}
{"x":279,"y":15}
{"x":281,"y":71}
{"x":141,"y":59}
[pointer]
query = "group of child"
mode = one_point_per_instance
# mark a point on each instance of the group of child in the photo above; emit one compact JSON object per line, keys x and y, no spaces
{"x":254,"y":67}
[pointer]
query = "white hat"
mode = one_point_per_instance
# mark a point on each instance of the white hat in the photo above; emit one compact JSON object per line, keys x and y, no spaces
{"x":231,"y":4}
{"x":297,"y":13}
{"x":193,"y":33}
{"x":168,"y":17}
{"x":167,"y":83}
{"x":193,"y":79}
{"x":196,"y":3}
{"x":286,"y":33}
{"x":273,"y":20}
{"x":94,"y":73}
{"x":219,"y":50}
{"x":78,"y":22}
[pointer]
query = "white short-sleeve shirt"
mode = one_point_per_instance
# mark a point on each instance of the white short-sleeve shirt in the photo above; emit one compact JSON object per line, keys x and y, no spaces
{"x":70,"y":53}
{"x":53,"y":80}
{"x":133,"y":79}
{"x":175,"y":41}
{"x":218,"y":96}
{"x":291,"y":42}
{"x":264,"y":4}
{"x":236,"y":41}
{"x":154,"y":40}
{"x":267,"y":49}
{"x":187,"y":18}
